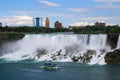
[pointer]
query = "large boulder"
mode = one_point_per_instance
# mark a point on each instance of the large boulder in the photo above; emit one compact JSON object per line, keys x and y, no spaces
{"x":41,"y":52}
{"x":113,"y":57}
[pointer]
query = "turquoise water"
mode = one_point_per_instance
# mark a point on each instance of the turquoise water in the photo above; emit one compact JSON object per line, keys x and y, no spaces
{"x":29,"y":70}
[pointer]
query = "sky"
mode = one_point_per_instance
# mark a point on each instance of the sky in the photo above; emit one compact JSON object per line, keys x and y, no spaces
{"x":69,"y":12}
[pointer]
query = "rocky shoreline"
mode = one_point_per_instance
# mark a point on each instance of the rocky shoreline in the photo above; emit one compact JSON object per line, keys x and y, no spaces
{"x":113,"y":57}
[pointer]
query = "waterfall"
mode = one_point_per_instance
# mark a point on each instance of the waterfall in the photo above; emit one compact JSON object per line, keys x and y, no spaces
{"x":60,"y":47}
{"x":118,"y":45}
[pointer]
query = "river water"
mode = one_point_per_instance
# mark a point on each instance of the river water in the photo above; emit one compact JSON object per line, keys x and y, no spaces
{"x":68,"y":71}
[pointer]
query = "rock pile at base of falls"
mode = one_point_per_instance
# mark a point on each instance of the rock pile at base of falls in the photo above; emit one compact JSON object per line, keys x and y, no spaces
{"x":61,"y":55}
{"x":113,"y":57}
{"x":85,"y":58}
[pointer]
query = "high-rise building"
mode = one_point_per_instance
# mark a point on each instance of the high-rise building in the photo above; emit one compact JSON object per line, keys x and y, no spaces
{"x":0,"y":24}
{"x":47,"y":23}
{"x":37,"y":22}
{"x":58,"y":24}
{"x":100,"y":24}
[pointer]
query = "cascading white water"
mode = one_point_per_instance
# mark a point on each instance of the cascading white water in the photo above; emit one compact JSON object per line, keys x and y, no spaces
{"x":118,"y":45}
{"x":59,"y":47}
{"x":98,"y":43}
{"x":31,"y":43}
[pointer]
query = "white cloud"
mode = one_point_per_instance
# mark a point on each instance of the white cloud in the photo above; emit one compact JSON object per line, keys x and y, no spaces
{"x":47,"y":3}
{"x":78,"y":24}
{"x":107,"y":1}
{"x":61,"y":15}
{"x":109,"y":20}
{"x":16,"y":20}
{"x":108,"y":6}
{"x":83,"y":24}
{"x":77,"y":9}
{"x":19,"y":12}
{"x":96,"y":18}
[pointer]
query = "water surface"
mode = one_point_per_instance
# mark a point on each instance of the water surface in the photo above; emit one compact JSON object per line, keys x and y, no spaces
{"x":69,"y":71}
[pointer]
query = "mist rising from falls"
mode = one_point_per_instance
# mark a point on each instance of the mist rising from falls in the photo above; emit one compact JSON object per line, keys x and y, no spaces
{"x":81,"y":48}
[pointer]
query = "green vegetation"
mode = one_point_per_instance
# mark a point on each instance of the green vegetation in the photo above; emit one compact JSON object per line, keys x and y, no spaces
{"x":31,"y":30}
{"x":80,"y":30}
{"x":10,"y":36}
{"x":96,"y":30}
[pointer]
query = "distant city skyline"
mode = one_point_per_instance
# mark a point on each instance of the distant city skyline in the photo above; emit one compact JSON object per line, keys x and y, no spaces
{"x":69,"y":12}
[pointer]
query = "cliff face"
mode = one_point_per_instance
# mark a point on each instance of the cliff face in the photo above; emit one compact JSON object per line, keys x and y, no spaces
{"x":112,"y":40}
{"x":113,"y":57}
{"x":11,"y":36}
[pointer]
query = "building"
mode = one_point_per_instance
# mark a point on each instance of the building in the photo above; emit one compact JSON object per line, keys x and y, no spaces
{"x":0,"y":24}
{"x":57,"y":24}
{"x":37,"y":22}
{"x":47,"y":23}
{"x":100,"y":24}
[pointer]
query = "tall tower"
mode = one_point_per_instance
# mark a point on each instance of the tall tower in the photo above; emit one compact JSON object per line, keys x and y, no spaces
{"x":47,"y":23}
{"x":37,"y":22}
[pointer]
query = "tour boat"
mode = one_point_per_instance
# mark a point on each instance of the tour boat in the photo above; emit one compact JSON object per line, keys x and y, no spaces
{"x":50,"y":66}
